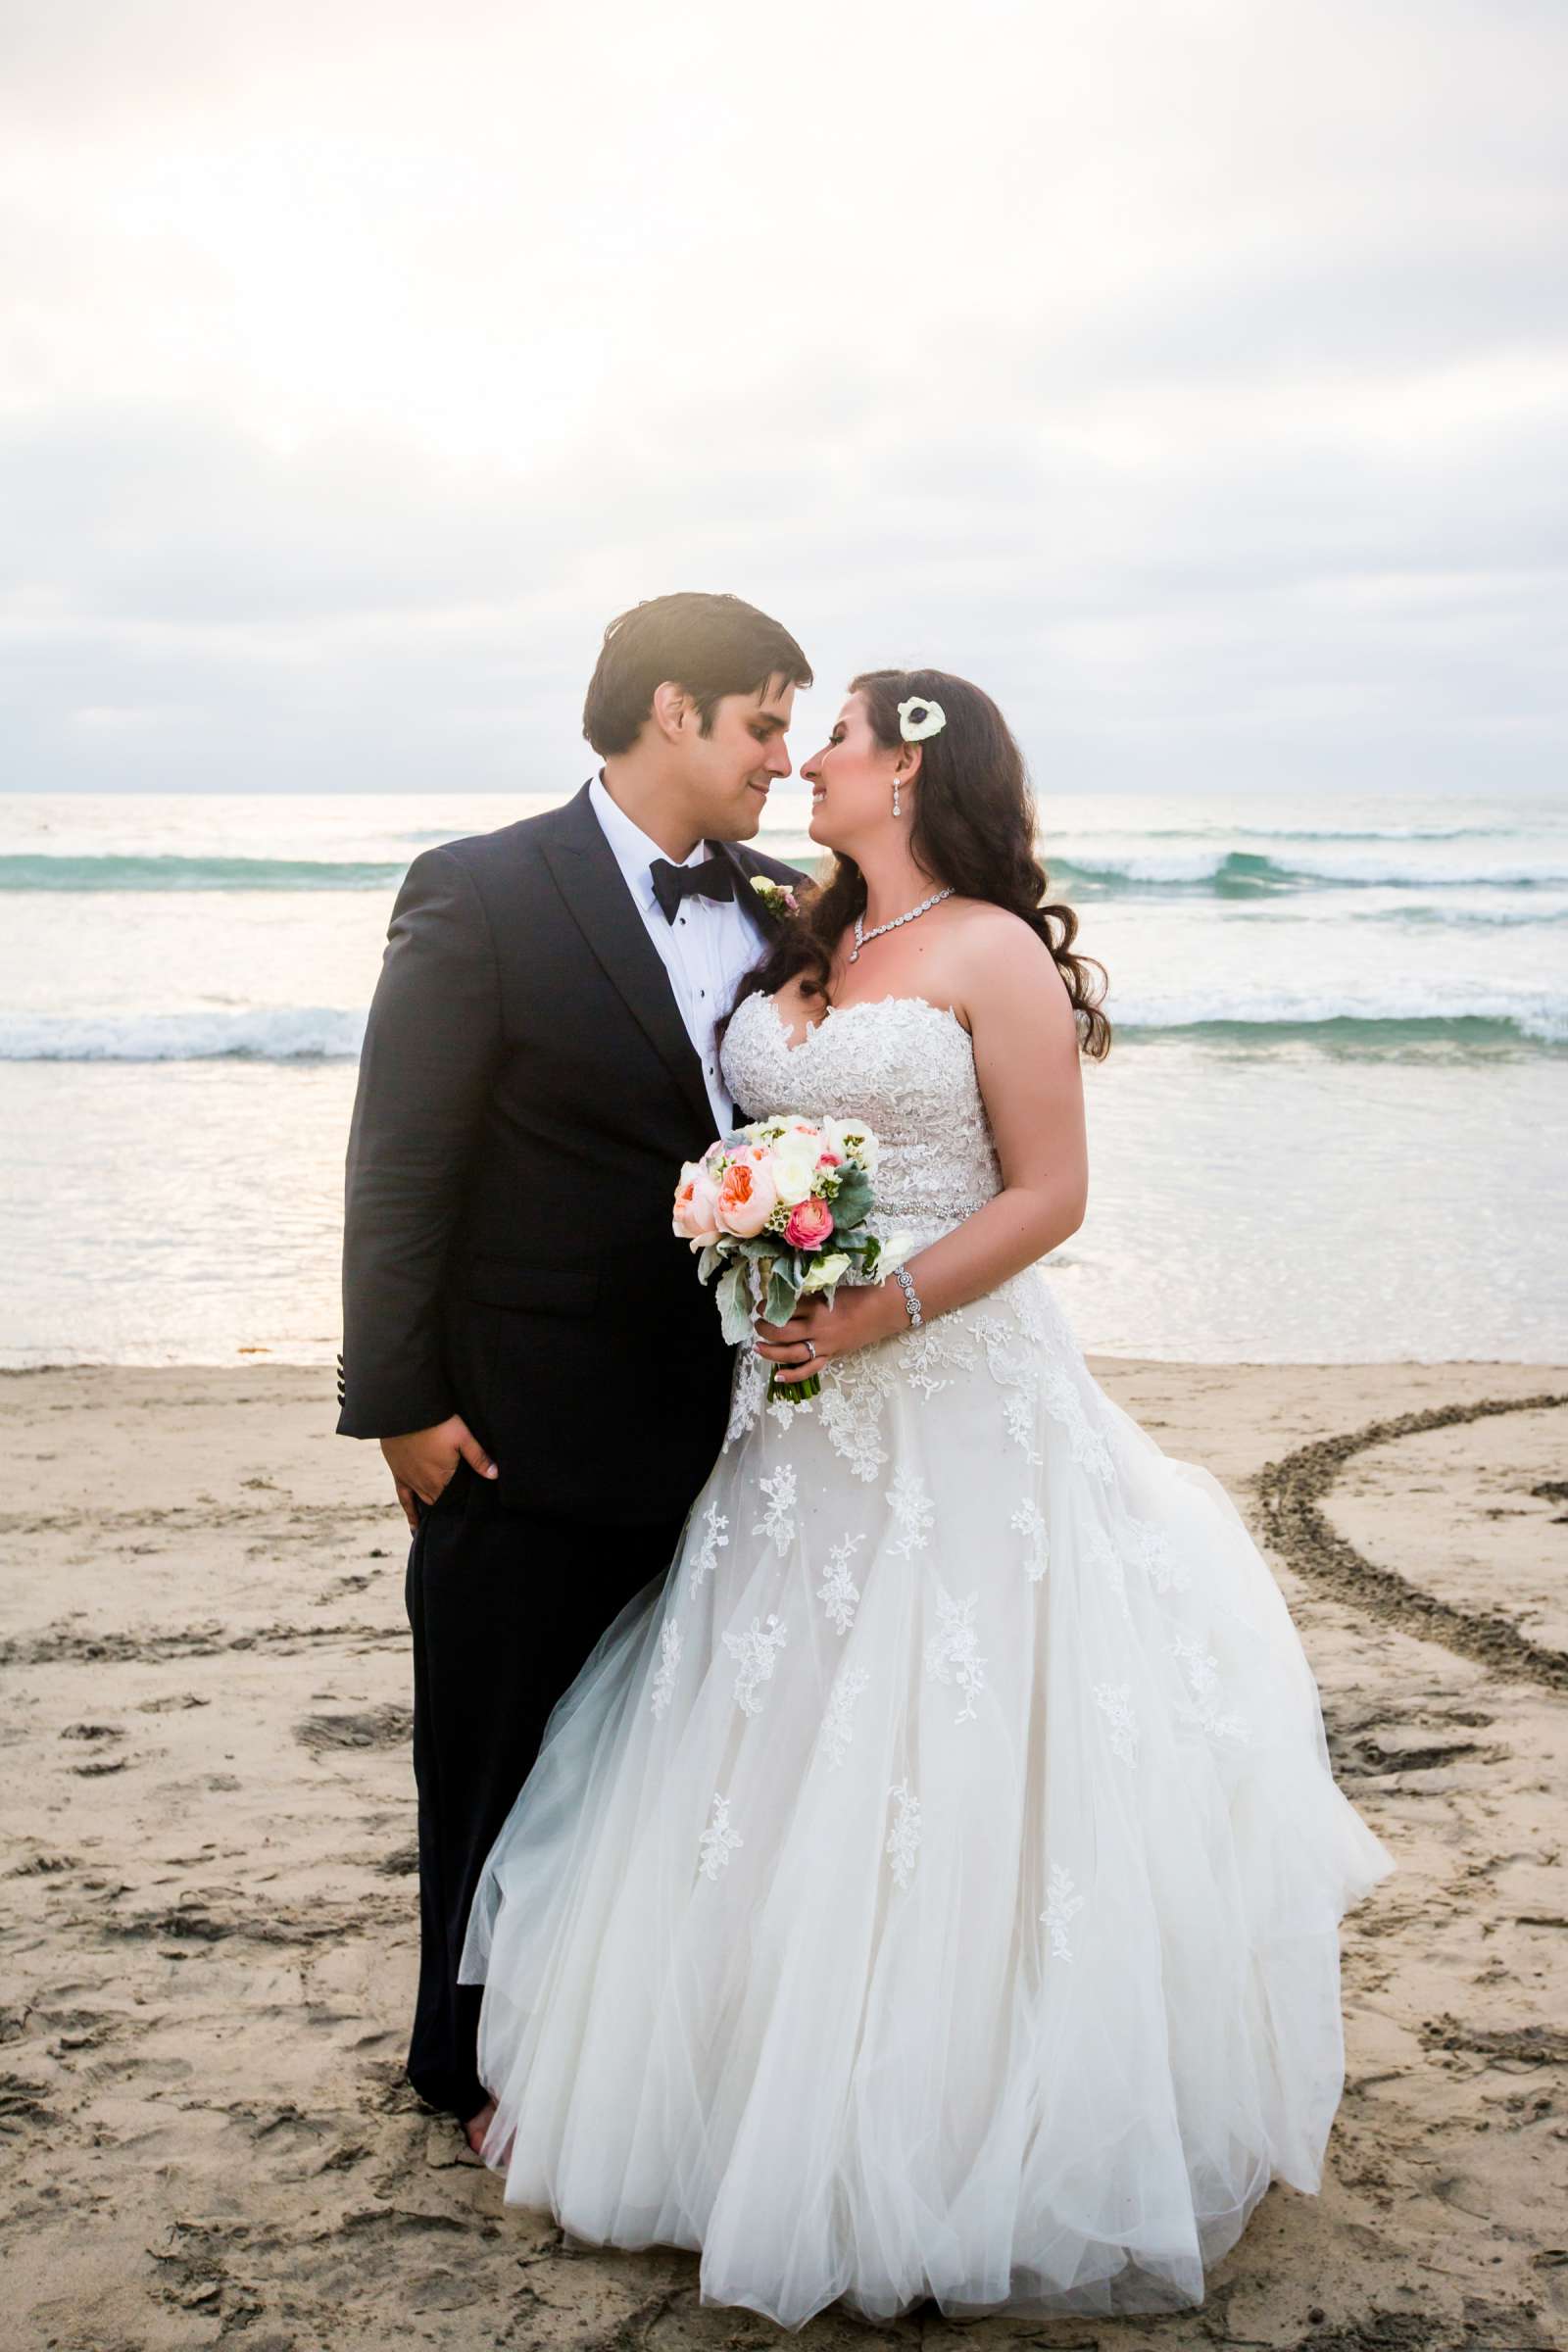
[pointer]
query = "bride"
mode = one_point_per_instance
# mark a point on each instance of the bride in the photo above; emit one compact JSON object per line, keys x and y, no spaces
{"x":932,"y":1889}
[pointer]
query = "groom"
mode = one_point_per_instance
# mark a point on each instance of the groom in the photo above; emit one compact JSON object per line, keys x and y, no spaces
{"x":521,"y":1332}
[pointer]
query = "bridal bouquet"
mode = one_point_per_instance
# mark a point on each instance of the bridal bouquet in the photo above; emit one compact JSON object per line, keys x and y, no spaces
{"x":777,"y":1212}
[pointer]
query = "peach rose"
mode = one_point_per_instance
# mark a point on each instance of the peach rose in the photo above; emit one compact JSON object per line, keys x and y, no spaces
{"x":810,"y":1224}
{"x":696,"y":1217}
{"x":748,"y":1196}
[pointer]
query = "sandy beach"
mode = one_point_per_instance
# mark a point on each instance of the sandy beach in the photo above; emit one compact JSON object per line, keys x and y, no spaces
{"x":209,"y":1916}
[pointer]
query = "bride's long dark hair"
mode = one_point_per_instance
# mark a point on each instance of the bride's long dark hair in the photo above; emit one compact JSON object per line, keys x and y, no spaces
{"x":973,"y":829}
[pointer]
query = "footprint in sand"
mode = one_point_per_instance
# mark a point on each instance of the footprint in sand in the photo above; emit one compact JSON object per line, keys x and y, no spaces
{"x":375,"y":1727}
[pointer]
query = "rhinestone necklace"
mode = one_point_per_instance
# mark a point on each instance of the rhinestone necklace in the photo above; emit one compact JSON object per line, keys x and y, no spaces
{"x":862,"y":934}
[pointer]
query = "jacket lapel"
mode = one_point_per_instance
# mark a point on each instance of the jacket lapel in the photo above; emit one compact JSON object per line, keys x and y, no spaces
{"x":591,"y":882}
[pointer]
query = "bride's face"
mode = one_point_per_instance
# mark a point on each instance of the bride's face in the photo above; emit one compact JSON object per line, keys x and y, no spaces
{"x":852,"y":781}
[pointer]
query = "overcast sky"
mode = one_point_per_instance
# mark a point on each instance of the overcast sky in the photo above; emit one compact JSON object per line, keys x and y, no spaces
{"x":1192,"y":373}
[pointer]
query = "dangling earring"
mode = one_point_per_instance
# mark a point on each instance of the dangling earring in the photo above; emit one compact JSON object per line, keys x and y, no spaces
{"x":895,"y":796}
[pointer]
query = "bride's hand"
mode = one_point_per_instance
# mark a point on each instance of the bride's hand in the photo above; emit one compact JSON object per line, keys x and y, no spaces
{"x":819,"y":1331}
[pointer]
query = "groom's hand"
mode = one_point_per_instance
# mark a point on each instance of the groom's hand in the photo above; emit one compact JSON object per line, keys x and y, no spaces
{"x":424,"y":1460}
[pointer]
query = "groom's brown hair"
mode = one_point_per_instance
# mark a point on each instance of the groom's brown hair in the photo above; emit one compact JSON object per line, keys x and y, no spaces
{"x":711,"y":645}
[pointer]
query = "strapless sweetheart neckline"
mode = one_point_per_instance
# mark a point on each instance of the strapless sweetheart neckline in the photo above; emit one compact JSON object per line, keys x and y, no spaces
{"x":814,"y":1029}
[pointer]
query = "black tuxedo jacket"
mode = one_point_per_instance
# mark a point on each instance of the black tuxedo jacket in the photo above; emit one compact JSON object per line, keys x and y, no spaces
{"x":527,"y":1092}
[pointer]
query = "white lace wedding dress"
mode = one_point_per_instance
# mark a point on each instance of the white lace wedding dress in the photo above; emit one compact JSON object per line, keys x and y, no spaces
{"x":932,"y":1889}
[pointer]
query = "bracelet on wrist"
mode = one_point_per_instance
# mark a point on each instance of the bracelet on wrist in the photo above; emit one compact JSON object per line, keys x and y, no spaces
{"x":912,"y":1297}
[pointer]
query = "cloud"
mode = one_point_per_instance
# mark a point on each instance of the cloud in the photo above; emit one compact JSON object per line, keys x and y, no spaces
{"x":1191,"y":377}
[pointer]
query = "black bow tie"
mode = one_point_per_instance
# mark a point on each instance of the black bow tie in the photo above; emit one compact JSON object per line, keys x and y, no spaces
{"x":714,"y":878}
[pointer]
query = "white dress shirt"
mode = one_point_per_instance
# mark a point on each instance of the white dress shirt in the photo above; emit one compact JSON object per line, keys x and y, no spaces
{"x":705,"y":951}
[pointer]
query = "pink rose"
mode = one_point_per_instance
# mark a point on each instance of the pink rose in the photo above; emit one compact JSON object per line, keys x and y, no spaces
{"x":696,"y":1216}
{"x":748,"y":1196}
{"x":810,"y":1223}
{"x":829,"y":1159}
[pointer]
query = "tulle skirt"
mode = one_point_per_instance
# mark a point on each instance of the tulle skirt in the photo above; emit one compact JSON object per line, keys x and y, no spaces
{"x":932,"y":1889}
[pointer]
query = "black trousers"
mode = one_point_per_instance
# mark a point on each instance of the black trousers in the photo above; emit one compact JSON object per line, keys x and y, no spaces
{"x":505,"y":1607}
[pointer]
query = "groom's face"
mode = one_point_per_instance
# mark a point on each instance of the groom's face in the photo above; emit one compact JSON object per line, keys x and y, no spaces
{"x":729,"y":771}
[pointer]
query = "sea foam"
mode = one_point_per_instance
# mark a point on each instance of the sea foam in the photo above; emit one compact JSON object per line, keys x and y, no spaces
{"x":262,"y":1032}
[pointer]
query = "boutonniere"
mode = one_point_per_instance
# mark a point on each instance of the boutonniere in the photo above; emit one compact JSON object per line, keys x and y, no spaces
{"x":777,"y":897}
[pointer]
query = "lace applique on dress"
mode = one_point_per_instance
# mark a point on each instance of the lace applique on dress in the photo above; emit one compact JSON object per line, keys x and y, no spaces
{"x":1116,"y":1703}
{"x":944,"y":1342}
{"x":1017,"y":1411}
{"x":717,"y":1841}
{"x":705,"y":1559}
{"x":854,"y":1391}
{"x":1015,"y":1370}
{"x":664,"y":1684}
{"x":748,"y":1390}
{"x":1203,"y":1674}
{"x":1108,"y":1559}
{"x":838,"y":1728}
{"x":783,"y":1412}
{"x":1062,"y":1906}
{"x":912,"y":1510}
{"x":778,"y":1520}
{"x":1029,"y":1299}
{"x":953,"y":1653}
{"x":839,"y":1593}
{"x":1059,"y":1393}
{"x":902,"y":1847}
{"x":754,"y":1650}
{"x":1029,"y":1521}
{"x":1159,"y":1563}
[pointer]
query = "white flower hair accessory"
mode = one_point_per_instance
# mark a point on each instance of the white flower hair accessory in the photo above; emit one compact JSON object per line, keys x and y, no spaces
{"x":919,"y":718}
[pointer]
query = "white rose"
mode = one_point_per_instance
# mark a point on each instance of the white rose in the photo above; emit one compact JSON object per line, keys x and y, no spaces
{"x":824,"y":1272}
{"x":793,"y":1161}
{"x":852,"y":1139}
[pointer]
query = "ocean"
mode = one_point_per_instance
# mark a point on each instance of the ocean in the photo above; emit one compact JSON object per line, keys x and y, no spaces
{"x":1333,"y":1128}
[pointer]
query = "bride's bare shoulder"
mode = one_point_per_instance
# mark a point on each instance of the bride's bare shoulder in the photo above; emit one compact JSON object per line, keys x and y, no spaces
{"x":990,"y":940}
{"x":1001,"y":964}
